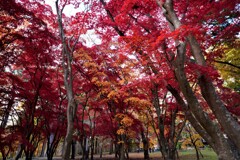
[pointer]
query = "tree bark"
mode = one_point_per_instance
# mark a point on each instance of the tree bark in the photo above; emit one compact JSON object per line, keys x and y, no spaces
{"x":6,"y":114}
{"x":111,"y":147}
{"x":73,"y":149}
{"x":92,"y":147}
{"x":145,"y":146}
{"x":96,"y":146}
{"x":161,"y":140}
{"x":122,"y":147}
{"x":43,"y":149}
{"x":68,"y":83}
{"x":19,"y":153}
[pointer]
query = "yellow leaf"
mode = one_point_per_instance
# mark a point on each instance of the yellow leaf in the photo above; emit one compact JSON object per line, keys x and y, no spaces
{"x":120,"y":131}
{"x":119,"y":142}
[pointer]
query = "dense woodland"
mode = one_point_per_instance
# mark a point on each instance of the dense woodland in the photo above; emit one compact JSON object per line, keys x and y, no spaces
{"x":155,"y":69}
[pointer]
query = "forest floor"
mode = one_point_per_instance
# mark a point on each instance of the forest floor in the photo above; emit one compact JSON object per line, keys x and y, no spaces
{"x":184,"y":155}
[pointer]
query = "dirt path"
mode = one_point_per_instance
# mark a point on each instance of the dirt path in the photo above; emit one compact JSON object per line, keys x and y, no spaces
{"x":132,"y":156}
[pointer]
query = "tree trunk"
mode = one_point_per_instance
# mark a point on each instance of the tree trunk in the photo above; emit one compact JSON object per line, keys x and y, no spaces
{"x":126,"y":152}
{"x":73,"y":149}
{"x":101,"y":151}
{"x":92,"y":147}
{"x":121,"y":152}
{"x":43,"y":149}
{"x":145,"y":146}
{"x":221,"y":145}
{"x":29,"y":155}
{"x":83,"y":145}
{"x":197,"y":153}
{"x":116,"y":150}
{"x":6,"y":114}
{"x":96,"y":146}
{"x":161,"y":140}
{"x":19,"y":153}
{"x":69,"y":135}
{"x":111,"y":147}
{"x":68,"y":83}
{"x":52,"y":144}
{"x":171,"y":154}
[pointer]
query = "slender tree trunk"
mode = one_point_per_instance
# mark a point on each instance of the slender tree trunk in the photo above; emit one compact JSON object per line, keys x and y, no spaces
{"x":126,"y":152}
{"x":177,"y":155}
{"x":92,"y":147}
{"x":111,"y":148}
{"x":145,"y":146}
{"x":161,"y":140}
{"x":29,"y":155}
{"x":196,"y":150}
{"x":69,"y":135}
{"x":101,"y":151}
{"x":73,"y":149}
{"x":193,"y":141}
{"x":116,"y":150}
{"x":121,"y":147}
{"x":122,"y":152}
{"x":172,"y":141}
{"x":87,"y":149}
{"x":43,"y":149}
{"x":96,"y":146}
{"x":19,"y":153}
{"x":68,"y":83}
{"x":83,"y":145}
{"x":52,"y":146}
{"x":4,"y":154}
{"x":6,"y":114}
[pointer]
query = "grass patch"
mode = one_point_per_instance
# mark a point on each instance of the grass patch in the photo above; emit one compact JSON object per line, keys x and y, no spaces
{"x":208,"y":154}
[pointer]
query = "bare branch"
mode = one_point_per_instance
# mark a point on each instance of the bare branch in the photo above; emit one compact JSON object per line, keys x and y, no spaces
{"x":227,"y":63}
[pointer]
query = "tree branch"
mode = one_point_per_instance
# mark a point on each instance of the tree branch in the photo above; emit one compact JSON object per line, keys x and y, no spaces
{"x":227,"y":63}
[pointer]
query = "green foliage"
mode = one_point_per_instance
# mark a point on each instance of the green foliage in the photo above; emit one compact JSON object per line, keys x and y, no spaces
{"x":229,"y":65}
{"x":195,"y":138}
